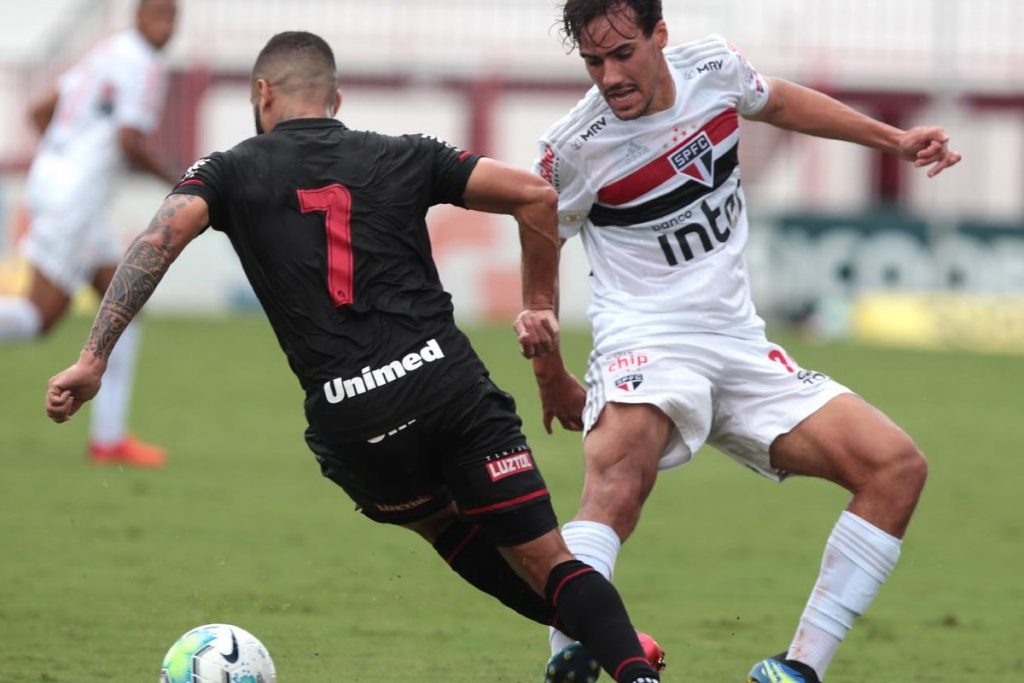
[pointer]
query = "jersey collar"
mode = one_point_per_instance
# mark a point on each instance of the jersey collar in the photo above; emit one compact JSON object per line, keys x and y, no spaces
{"x":297,"y":124}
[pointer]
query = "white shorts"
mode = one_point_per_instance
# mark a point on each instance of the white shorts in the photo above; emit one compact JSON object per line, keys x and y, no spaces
{"x":737,"y":395}
{"x":67,"y":247}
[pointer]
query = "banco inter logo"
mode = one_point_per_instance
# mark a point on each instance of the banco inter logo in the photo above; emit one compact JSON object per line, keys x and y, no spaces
{"x":696,"y":160}
{"x":340,"y":388}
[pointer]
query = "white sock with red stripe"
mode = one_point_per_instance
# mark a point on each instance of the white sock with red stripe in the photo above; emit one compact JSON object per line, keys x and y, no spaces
{"x":111,"y":404}
{"x":596,"y":544}
{"x":858,"y":559}
{"x":19,"y":319}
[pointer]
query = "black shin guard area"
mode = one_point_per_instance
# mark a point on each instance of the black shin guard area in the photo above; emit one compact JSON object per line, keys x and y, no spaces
{"x":592,"y":612}
{"x":473,"y":557}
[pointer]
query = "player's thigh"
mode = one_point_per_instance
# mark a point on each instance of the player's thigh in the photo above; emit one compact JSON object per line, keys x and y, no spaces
{"x":763,"y":393}
{"x":651,"y":397}
{"x":489,"y":467}
{"x":395,"y":480}
{"x":846,"y":441}
{"x":48,"y":297}
{"x":623,"y":449}
{"x":102,"y":278}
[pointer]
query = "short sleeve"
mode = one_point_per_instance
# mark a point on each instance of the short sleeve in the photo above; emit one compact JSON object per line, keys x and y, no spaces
{"x":574,"y":195}
{"x":750,"y":86}
{"x":450,"y":169}
{"x":206,"y":179}
{"x":141,"y":85}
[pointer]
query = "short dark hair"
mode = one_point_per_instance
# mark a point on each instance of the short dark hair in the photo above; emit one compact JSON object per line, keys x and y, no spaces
{"x":297,"y":60}
{"x":576,"y":14}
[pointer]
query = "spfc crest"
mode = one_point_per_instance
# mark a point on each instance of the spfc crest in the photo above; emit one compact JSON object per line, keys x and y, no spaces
{"x":696,"y":160}
{"x":629,"y":382}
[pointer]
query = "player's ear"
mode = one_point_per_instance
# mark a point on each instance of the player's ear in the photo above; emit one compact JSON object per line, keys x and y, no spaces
{"x":264,"y":94}
{"x":661,"y":34}
{"x":337,"y":102}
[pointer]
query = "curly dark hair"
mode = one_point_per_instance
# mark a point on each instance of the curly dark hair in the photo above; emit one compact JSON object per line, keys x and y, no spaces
{"x":576,"y":14}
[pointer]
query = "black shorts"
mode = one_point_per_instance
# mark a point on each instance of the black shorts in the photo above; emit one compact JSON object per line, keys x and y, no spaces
{"x":470,"y":450}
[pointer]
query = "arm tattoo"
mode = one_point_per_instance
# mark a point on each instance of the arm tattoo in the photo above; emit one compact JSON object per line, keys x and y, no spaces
{"x":142,"y":267}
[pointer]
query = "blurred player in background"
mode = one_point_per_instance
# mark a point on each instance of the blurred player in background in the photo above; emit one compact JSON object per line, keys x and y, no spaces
{"x":96,"y":118}
{"x":647,"y":173}
{"x":329,"y":225}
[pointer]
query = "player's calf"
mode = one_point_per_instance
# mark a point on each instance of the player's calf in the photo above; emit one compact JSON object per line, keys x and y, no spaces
{"x":591,"y":611}
{"x":477,"y":560}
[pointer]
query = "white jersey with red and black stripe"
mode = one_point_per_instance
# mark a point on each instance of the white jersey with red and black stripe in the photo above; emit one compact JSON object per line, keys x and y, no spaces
{"x":658,"y":203}
{"x":120,"y":83}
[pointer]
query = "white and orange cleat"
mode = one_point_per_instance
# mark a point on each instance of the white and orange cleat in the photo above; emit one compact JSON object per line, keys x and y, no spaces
{"x":128,"y":451}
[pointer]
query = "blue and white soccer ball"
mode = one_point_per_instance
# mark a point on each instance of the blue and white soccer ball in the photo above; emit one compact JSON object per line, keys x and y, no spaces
{"x":218,"y":653}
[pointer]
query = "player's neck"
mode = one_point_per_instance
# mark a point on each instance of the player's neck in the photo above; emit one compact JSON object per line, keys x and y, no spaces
{"x":300,"y":112}
{"x":665,"y":92}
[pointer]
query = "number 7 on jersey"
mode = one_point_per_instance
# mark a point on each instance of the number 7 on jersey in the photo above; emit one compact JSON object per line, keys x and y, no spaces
{"x":335,"y":202}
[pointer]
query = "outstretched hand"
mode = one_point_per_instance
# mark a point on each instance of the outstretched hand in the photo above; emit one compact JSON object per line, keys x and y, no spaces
{"x":562,"y":396}
{"x":68,"y":390}
{"x":928,"y":146}
{"x":537,"y":332}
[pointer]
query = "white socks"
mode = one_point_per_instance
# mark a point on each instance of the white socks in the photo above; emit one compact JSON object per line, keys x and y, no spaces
{"x":858,"y":559}
{"x":19,"y":319}
{"x":110,"y":406}
{"x":596,"y":544}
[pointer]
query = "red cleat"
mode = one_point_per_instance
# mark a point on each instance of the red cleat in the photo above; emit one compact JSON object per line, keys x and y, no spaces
{"x":655,"y":653}
{"x":128,"y":451}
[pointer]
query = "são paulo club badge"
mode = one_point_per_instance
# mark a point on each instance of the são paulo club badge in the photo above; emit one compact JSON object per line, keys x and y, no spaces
{"x":630,"y":364}
{"x":629,"y":382}
{"x":696,"y":160}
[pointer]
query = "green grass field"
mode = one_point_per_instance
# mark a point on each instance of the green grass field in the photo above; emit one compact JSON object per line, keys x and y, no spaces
{"x":103,"y":569}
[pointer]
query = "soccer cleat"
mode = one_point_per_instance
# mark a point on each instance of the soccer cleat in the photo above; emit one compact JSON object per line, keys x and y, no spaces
{"x":655,"y":653}
{"x":572,"y":664}
{"x":128,"y":451}
{"x":575,"y":664}
{"x":778,"y":669}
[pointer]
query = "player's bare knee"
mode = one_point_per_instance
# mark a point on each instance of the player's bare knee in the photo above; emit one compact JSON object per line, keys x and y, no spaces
{"x":913,"y":469}
{"x":617,"y":503}
{"x":901,"y":472}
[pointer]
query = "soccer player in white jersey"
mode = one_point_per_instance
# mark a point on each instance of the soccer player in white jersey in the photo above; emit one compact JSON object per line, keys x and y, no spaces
{"x":647,"y":174}
{"x":95,"y":119}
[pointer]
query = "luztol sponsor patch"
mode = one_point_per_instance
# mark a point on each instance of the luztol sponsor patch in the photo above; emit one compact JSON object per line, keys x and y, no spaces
{"x":507,"y":465}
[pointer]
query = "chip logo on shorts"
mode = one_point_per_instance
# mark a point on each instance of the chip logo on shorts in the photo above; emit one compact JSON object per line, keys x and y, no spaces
{"x":627,"y":360}
{"x":509,"y":465}
{"x":629,"y":382}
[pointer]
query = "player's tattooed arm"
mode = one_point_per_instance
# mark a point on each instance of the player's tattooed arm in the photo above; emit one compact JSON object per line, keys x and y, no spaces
{"x":176,"y":223}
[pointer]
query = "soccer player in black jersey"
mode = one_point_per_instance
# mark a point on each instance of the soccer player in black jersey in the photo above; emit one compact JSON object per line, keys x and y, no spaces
{"x":329,"y":226}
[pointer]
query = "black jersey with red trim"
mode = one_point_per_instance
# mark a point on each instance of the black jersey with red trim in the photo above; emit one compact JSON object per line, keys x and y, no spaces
{"x":329,"y":225}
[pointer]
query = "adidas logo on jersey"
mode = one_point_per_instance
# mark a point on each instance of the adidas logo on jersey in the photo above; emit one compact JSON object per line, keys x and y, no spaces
{"x":635,"y":151}
{"x":338,"y":389}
